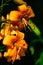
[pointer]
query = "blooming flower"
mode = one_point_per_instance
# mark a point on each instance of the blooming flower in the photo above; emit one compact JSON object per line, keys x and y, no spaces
{"x":16,"y":17}
{"x":15,"y":43}
{"x":26,"y":11}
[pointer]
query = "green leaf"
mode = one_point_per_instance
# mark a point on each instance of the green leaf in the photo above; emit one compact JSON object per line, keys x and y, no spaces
{"x":19,"y":2}
{"x":34,"y":28}
{"x":40,"y":60}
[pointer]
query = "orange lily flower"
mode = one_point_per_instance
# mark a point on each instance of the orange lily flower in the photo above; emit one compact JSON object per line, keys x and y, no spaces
{"x":26,"y":11}
{"x":16,"y":17}
{"x":14,"y":43}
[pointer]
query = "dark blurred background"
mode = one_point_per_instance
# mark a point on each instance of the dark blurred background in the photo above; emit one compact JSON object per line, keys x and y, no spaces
{"x":37,"y":6}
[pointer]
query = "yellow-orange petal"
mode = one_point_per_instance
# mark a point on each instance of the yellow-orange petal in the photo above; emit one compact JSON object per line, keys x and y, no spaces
{"x":3,"y":18}
{"x":30,"y":12}
{"x":1,"y":37}
{"x":22,"y":8}
{"x":18,"y":57}
{"x":7,"y":54}
{"x":15,"y":16}
{"x":22,"y":43}
{"x":20,"y":35}
{"x":22,"y":52}
{"x":13,"y":52}
{"x":2,"y":32}
{"x":7,"y":16}
{"x":9,"y":40}
{"x":7,"y":30}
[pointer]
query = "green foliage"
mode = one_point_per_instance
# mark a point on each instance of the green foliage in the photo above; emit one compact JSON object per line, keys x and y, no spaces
{"x":34,"y":28}
{"x":40,"y":60}
{"x":19,"y":2}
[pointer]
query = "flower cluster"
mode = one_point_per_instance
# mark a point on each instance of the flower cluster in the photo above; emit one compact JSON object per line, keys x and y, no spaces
{"x":12,"y":37}
{"x":14,"y":41}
